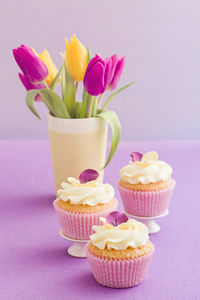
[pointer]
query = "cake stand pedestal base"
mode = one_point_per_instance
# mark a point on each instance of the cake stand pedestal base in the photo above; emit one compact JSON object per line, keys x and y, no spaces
{"x":78,"y":247}
{"x":152,"y":226}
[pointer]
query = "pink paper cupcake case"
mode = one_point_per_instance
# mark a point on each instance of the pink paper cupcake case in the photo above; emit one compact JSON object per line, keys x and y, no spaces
{"x":119,"y":273}
{"x":79,"y":226}
{"x":144,"y":203}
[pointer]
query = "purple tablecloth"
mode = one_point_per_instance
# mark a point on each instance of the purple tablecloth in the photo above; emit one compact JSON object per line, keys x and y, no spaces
{"x":33,"y":259}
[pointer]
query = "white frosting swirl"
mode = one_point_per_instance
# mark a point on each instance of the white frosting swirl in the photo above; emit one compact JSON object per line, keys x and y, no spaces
{"x":130,"y":234}
{"x":146,"y":172}
{"x":91,"y":193}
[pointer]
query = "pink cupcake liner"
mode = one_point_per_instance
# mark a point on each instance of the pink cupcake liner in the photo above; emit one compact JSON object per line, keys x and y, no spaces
{"x":79,"y":226}
{"x":146,"y":203}
{"x":119,"y":273}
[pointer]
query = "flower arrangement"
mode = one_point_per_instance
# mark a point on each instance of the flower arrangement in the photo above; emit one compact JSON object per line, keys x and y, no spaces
{"x":99,"y":76}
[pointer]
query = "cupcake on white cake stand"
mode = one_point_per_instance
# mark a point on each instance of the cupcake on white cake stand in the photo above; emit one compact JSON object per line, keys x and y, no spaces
{"x":146,"y":187}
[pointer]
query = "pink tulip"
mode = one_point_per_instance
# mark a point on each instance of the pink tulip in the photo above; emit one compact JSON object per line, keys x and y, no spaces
{"x":116,"y":71}
{"x":97,"y":75}
{"x":30,"y":64}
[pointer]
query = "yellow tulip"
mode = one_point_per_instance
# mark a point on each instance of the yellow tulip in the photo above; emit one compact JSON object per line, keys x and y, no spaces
{"x":76,"y":58}
{"x":46,"y":58}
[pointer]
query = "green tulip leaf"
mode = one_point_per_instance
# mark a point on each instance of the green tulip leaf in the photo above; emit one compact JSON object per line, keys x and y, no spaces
{"x":54,"y":103}
{"x":78,"y":109}
{"x":89,"y":55}
{"x":63,"y":81}
{"x":84,"y":104}
{"x":56,"y":79}
{"x":85,"y":96}
{"x":115,"y":93}
{"x":51,"y":99}
{"x":69,"y":90}
{"x":30,"y":96}
{"x":112,"y":119}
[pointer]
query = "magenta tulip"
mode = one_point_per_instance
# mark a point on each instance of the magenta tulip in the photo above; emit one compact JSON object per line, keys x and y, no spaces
{"x":116,"y":71}
{"x":31,"y":65}
{"x":97,"y":75}
{"x":30,"y":86}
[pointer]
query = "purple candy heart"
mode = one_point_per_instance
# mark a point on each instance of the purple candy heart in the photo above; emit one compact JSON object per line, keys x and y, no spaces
{"x":115,"y":218}
{"x":136,"y":156}
{"x":88,"y":175}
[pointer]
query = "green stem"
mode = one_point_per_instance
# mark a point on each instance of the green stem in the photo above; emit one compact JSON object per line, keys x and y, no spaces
{"x":76,"y":88}
{"x":45,"y":84}
{"x":99,"y":101}
{"x":90,"y":106}
{"x":94,"y":107}
{"x":115,"y":93}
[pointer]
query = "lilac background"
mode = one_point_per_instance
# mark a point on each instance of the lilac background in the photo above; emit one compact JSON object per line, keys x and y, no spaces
{"x":160,"y":40}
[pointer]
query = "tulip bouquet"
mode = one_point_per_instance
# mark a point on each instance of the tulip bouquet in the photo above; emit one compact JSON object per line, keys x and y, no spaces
{"x":40,"y":78}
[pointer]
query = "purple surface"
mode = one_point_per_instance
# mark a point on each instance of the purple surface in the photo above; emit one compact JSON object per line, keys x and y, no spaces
{"x":33,"y":259}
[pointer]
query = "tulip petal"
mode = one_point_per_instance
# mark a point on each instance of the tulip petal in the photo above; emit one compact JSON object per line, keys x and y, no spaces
{"x":17,"y":59}
{"x":94,"y":79}
{"x":30,"y":86}
{"x":53,"y":71}
{"x":93,"y":61}
{"x":32,"y":66}
{"x":76,"y":57}
{"x":117,"y":74}
{"x":108,"y":62}
{"x":56,"y":80}
{"x":115,"y":60}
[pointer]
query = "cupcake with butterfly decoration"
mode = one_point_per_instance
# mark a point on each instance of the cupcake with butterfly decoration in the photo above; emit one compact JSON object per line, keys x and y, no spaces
{"x":81,"y":202}
{"x":119,"y":252}
{"x":146,"y":185}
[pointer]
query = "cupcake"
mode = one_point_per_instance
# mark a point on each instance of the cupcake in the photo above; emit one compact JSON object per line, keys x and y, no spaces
{"x":146,"y":185}
{"x":119,"y":252}
{"x":81,"y":202}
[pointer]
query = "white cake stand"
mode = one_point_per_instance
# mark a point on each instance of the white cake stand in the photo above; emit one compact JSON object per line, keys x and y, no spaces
{"x":152,"y":226}
{"x":78,"y":247}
